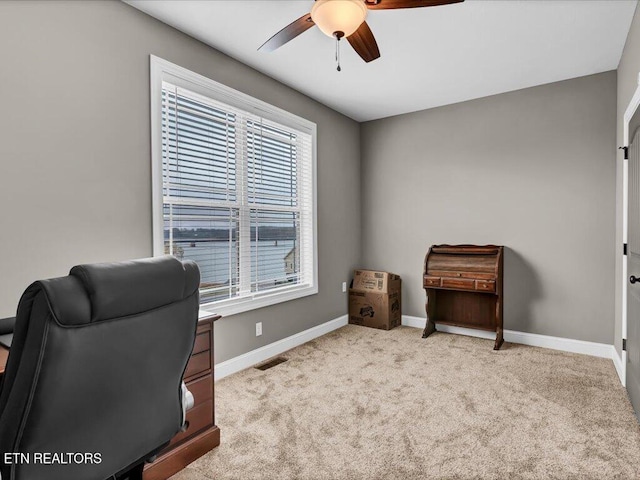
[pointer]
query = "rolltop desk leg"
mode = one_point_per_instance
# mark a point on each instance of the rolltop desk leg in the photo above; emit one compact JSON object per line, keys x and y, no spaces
{"x":430,"y":327}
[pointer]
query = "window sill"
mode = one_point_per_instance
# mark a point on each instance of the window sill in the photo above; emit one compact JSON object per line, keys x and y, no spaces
{"x":233,"y":306}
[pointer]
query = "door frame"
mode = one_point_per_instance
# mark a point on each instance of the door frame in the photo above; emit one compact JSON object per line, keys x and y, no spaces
{"x":628,"y":115}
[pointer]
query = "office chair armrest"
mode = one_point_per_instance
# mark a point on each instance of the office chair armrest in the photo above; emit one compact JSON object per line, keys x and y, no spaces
{"x":187,"y":401}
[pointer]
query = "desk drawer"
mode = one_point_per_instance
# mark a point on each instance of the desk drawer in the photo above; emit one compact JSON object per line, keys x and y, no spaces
{"x":459,"y":283}
{"x":486,"y":285}
{"x":198,"y":363}
{"x":198,"y":418}
{"x":202,"y":343}
{"x":202,"y":390}
{"x":430,"y":281}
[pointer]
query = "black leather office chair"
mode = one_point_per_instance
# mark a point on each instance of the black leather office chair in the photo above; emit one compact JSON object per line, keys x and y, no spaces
{"x":93,"y":384}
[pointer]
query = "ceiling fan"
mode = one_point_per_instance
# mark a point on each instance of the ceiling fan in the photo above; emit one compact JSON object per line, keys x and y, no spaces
{"x":345,"y":19}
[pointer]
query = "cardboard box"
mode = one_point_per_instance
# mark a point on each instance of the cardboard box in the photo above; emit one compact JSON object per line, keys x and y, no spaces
{"x":375,"y":299}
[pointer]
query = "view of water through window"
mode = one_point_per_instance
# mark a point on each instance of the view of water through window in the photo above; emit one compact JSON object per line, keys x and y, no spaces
{"x":232,"y":196}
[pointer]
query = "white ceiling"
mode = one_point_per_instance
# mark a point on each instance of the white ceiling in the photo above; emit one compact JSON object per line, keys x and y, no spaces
{"x":429,"y":56}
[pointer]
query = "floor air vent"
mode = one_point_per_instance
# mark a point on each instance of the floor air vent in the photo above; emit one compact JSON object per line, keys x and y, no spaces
{"x":271,"y":363}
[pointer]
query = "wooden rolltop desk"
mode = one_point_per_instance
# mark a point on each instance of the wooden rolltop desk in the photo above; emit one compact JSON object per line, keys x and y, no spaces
{"x":463,"y":284}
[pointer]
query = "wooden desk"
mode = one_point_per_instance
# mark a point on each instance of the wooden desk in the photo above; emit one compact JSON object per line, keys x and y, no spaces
{"x":463,"y":284}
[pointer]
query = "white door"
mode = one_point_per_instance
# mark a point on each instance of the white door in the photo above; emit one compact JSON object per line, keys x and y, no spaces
{"x":633,"y":269}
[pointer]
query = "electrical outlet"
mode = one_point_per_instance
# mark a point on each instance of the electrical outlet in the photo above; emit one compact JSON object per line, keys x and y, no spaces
{"x":258,"y":329}
{"x":344,"y":287}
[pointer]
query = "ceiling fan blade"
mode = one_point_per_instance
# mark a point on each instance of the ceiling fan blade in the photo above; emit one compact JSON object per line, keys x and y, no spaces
{"x":364,"y":43}
{"x":391,"y":4}
{"x":288,"y":33}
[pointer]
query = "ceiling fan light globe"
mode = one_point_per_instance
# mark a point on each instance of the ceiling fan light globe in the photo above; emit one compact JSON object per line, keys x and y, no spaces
{"x":338,"y":16}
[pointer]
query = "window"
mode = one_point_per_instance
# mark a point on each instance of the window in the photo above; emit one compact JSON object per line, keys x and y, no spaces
{"x":233,"y":190}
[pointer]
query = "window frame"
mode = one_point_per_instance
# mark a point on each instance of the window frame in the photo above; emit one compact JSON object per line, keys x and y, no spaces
{"x":163,"y":70}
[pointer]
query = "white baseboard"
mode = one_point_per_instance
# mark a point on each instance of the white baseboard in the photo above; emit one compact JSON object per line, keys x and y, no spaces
{"x":545,"y":341}
{"x":619,"y":364}
{"x":558,"y":343}
{"x":416,"y":322}
{"x":249,"y":359}
{"x":261,"y":354}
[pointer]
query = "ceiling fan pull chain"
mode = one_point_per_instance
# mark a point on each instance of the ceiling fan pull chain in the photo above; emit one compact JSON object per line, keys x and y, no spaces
{"x":338,"y":53}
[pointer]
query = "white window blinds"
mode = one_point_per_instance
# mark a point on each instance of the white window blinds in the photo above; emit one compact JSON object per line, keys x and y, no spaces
{"x":237,"y":197}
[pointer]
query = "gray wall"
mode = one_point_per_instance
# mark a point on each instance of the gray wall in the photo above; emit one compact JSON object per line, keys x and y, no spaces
{"x":533,"y":170}
{"x":75,"y":171}
{"x":628,"y":70}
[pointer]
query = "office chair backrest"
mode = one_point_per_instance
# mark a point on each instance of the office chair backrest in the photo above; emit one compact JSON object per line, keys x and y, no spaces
{"x":95,"y":369}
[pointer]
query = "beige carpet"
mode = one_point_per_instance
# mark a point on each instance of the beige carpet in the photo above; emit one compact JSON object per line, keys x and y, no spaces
{"x":361,"y":403}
